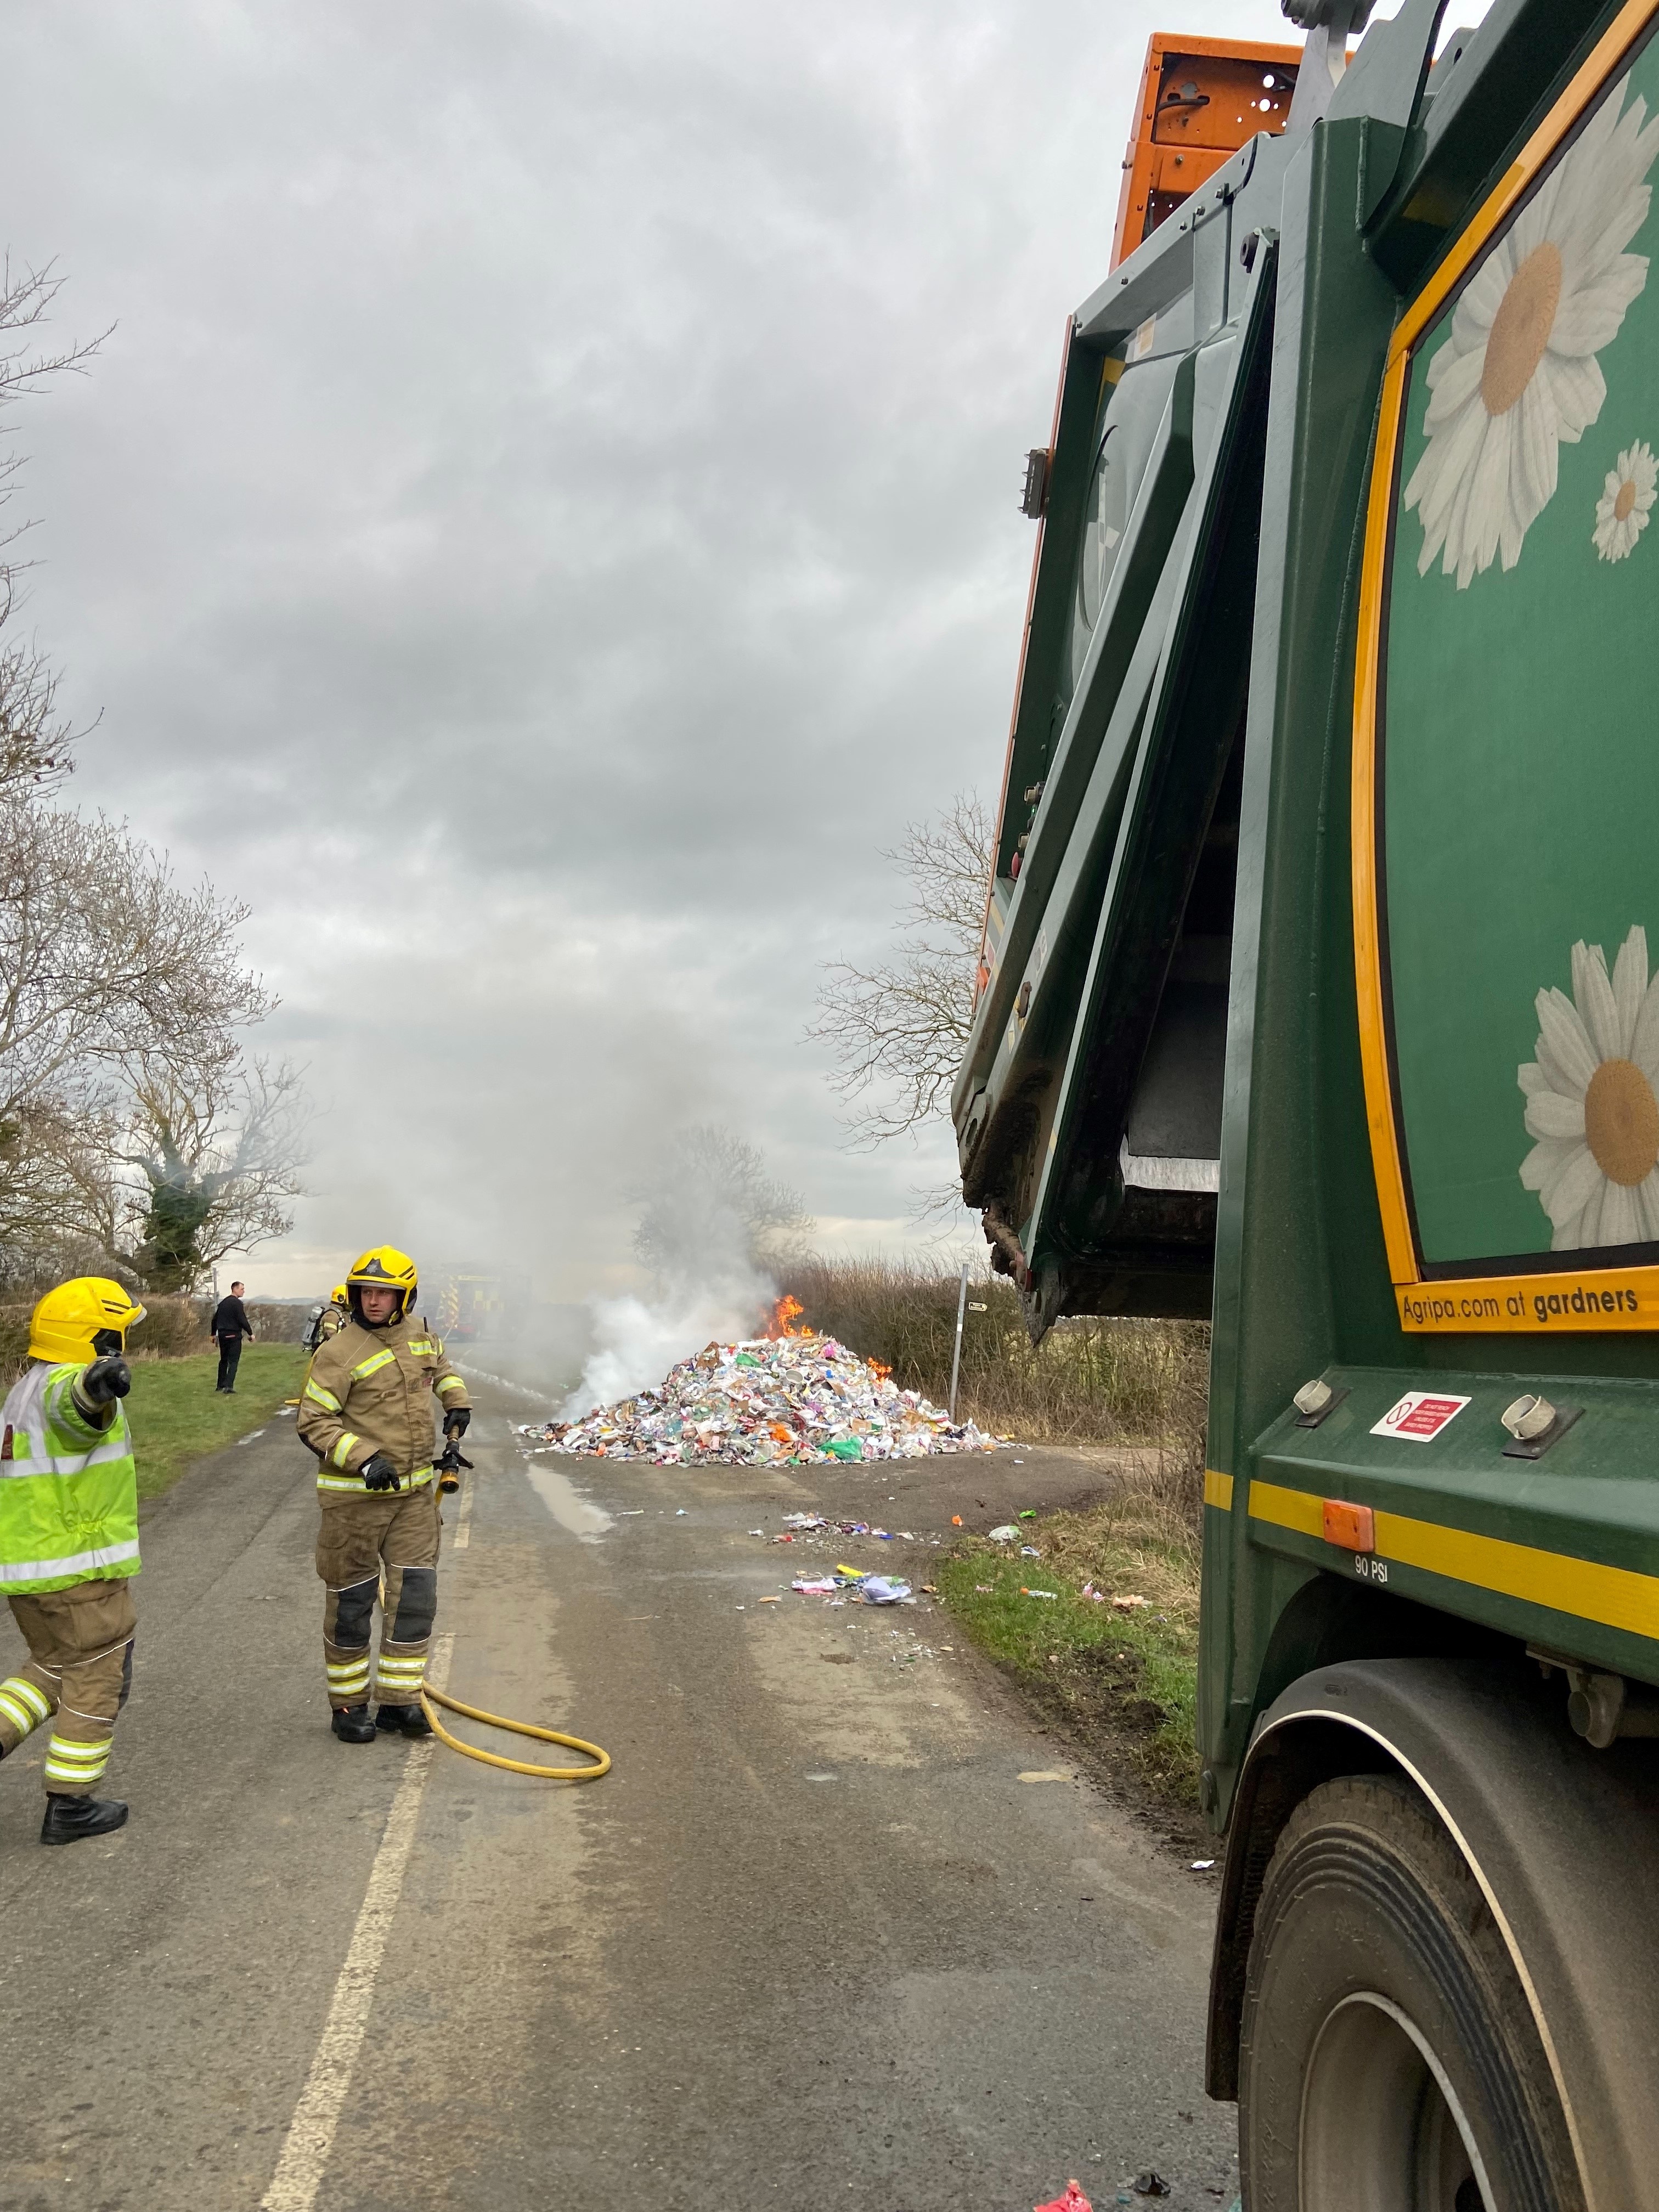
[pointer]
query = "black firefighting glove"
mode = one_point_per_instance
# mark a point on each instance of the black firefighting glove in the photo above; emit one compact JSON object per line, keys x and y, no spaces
{"x":378,"y":1473}
{"x":106,"y":1379}
{"x":457,"y":1420}
{"x":98,"y":1386}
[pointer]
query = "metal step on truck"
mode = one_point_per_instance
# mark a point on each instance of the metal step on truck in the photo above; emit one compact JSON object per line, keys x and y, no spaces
{"x":1320,"y":994}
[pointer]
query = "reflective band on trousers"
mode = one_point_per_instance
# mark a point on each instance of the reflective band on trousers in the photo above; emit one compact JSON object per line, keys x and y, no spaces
{"x":67,"y":1761}
{"x":418,"y":1480}
{"x":23,"y":1705}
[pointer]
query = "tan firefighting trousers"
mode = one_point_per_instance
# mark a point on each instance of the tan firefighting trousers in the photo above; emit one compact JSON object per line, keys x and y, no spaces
{"x":80,"y":1668}
{"x":390,"y":1534}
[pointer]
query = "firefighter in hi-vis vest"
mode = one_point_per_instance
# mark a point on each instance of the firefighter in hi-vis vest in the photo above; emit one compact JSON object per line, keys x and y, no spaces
{"x":69,"y":1544}
{"x":366,"y":1410}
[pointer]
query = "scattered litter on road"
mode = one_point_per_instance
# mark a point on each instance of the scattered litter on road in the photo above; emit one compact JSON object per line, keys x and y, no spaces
{"x":767,"y":1403}
{"x":1027,"y":1513}
{"x":805,"y":1521}
{"x":1099,"y":1596}
{"x":836,"y":1658}
{"x":1131,"y":1604}
{"x":629,"y":1512}
{"x":956,"y":1520}
{"x":1008,"y":1534}
{"x":1151,"y":2184}
{"x":884,"y":1589}
{"x":1043,"y":1774}
{"x":1037,"y":1592}
{"x":1030,"y":1551}
{"x":1072,"y":2201}
{"x":681,"y":1513}
{"x":757,"y":1532}
{"x":771,"y":1601}
{"x":813,"y":1585}
{"x":1202,"y":1866}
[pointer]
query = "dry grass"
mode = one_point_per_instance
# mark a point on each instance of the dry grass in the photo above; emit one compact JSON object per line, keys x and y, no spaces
{"x":1090,"y":1381}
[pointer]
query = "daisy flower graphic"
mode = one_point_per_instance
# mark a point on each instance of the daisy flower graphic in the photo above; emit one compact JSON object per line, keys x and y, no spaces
{"x":1591,"y":1102}
{"x":1517,"y":377}
{"x":1627,"y":493}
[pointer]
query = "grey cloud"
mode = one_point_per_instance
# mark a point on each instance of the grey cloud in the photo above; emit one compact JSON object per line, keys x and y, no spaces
{"x":553,"y":485}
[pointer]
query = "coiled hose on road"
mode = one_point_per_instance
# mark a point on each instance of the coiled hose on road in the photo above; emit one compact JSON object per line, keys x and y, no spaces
{"x":431,"y":1698}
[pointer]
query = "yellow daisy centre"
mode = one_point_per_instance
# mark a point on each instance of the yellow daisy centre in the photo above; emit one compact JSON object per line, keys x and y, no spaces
{"x":1521,"y":328}
{"x":1621,"y":1122}
{"x":1625,"y":501}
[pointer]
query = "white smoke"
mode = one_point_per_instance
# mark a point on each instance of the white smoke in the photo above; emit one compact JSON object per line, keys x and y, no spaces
{"x":711,"y":1220}
{"x":638,"y":1343}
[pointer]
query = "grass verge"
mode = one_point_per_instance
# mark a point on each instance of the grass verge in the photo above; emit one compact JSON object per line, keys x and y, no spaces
{"x":177,"y":1417}
{"x":1122,"y":1683}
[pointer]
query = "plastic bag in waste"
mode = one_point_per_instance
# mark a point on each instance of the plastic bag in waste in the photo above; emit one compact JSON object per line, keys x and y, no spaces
{"x":882,"y":1590}
{"x":1006,"y":1534}
{"x":1072,"y":2201}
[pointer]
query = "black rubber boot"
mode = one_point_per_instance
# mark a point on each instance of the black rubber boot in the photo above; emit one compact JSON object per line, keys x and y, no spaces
{"x":353,"y":1725}
{"x":69,"y":1819}
{"x":408,"y":1719}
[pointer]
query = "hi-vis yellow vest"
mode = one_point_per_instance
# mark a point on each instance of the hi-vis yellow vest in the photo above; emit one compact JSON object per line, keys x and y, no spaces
{"x":69,"y":1492}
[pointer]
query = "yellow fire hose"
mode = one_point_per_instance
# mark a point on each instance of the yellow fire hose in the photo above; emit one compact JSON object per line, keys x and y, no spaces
{"x":431,"y":1698}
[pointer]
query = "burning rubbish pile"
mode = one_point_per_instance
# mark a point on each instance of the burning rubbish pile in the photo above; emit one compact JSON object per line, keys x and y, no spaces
{"x":788,"y":1398}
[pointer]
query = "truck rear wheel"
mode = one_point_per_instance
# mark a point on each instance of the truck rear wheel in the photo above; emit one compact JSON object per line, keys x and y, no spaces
{"x":1388,"y":2061}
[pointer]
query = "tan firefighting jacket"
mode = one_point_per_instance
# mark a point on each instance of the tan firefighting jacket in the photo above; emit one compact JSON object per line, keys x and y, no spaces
{"x":371,"y":1390}
{"x":330,"y":1323}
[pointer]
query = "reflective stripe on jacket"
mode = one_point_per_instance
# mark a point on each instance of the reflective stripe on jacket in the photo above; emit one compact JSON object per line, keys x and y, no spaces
{"x":69,"y":1490}
{"x":371,"y":1390}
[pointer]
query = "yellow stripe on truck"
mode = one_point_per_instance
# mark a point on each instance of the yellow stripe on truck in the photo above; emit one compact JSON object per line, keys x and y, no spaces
{"x":1616,"y":1597}
{"x":1218,"y":1489}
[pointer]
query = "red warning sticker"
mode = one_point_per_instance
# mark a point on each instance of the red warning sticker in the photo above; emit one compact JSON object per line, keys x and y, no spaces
{"x":1419,"y":1415}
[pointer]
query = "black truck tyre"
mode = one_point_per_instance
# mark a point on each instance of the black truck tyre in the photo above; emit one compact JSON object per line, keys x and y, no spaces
{"x":1388,"y":2060}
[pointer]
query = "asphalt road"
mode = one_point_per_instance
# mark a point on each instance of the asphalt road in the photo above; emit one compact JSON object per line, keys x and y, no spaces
{"x":823,"y":1937}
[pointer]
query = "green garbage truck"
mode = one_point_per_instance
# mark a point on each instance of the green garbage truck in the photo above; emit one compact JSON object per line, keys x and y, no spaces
{"x":1320,"y":994}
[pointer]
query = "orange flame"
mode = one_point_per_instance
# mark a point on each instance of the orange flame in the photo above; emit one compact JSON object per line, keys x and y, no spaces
{"x":783,"y":1317}
{"x":880,"y":1372}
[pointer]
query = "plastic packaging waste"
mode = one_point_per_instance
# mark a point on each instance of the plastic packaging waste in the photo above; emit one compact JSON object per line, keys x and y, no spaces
{"x":1008,"y":1534}
{"x":768,"y":1403}
{"x":884,"y":1589}
{"x":1072,"y":2201}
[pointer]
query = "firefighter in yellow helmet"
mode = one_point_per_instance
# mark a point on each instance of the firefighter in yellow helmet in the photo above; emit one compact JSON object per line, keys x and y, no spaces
{"x":68,"y":1546}
{"x":328,"y":1320}
{"x":366,"y":1411}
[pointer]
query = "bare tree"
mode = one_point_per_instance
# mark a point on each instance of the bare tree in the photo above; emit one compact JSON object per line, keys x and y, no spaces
{"x":712,"y":1213}
{"x":105,"y":960}
{"x":898,"y":1029}
{"x":216,"y":1146}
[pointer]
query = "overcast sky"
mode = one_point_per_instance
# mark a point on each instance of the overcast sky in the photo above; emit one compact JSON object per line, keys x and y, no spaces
{"x":545,"y":519}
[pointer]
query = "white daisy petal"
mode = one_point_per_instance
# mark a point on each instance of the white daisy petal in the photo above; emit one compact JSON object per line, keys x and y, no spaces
{"x":1645,"y":1038}
{"x":1592,"y":994}
{"x":1575,"y":1188}
{"x":1619,"y":1223}
{"x":1531,"y":1078}
{"x":1544,"y":1165}
{"x":1629,"y":983}
{"x":1564,"y":1044}
{"x":1549,"y":1114}
{"x":1648,"y":1195}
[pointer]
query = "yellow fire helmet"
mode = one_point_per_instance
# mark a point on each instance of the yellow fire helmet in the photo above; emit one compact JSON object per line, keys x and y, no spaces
{"x":83,"y":1321}
{"x":339,"y":1297}
{"x":385,"y":1267}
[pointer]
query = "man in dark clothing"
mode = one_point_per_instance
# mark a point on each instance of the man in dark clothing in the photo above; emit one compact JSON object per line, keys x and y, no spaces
{"x":230,"y":1325}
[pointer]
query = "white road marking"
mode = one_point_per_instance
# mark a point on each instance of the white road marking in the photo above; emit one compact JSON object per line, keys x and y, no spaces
{"x":464,"y":1518}
{"x":299,"y":2169}
{"x":250,"y":1437}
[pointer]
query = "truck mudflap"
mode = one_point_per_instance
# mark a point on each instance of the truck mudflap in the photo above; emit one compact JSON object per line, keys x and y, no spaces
{"x":1563,"y":1841}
